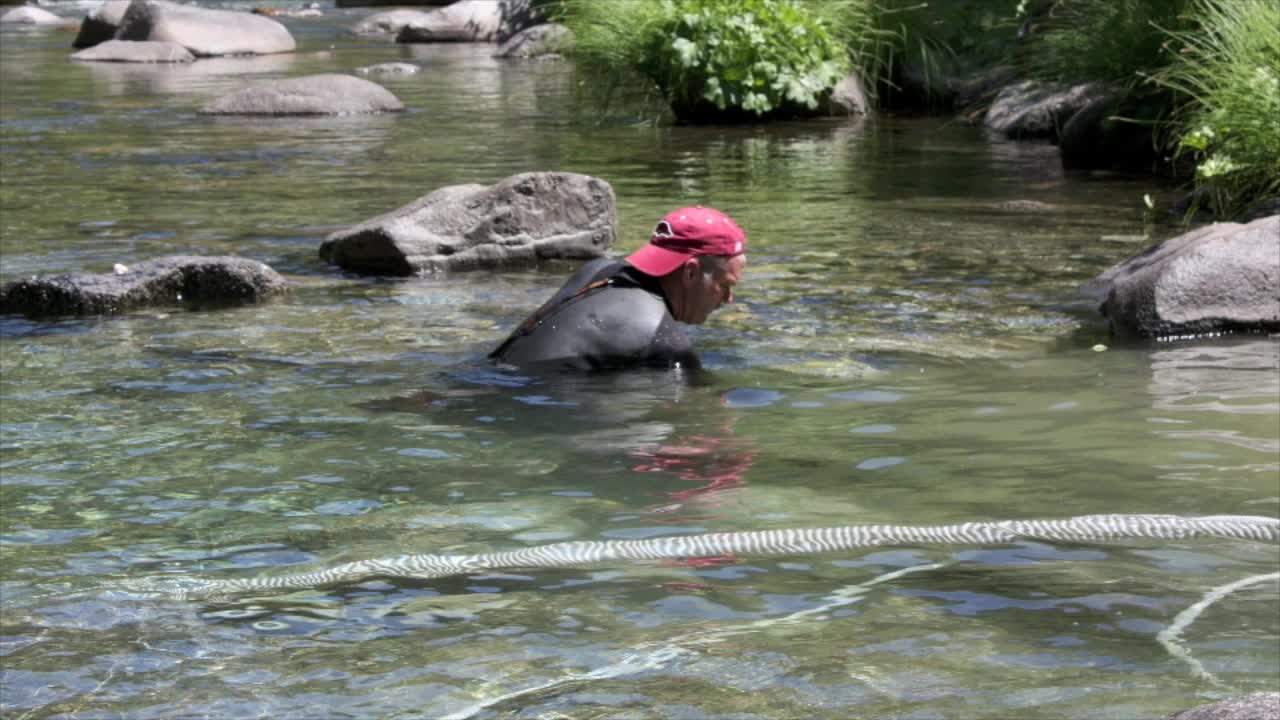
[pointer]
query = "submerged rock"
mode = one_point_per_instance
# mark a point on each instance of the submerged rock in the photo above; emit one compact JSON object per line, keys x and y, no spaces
{"x":517,"y":222}
{"x":139,"y":51}
{"x":164,"y":281}
{"x":391,"y":68}
{"x":1255,"y":706}
{"x":206,"y":33}
{"x":1221,"y":278}
{"x":101,"y":24}
{"x":327,"y":94}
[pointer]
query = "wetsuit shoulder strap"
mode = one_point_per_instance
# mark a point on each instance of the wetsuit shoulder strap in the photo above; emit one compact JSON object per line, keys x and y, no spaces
{"x":603,"y":277}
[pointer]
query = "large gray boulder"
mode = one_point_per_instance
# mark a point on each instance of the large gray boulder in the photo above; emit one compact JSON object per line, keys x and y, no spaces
{"x":206,"y":33}
{"x":176,"y":279}
{"x":101,"y":24}
{"x":517,"y":222}
{"x":1033,"y":109}
{"x":471,"y":21}
{"x":1223,"y":277}
{"x":138,"y":51}
{"x":462,"y":21}
{"x":326,"y":94}
{"x":1255,"y":706}
{"x":28,"y":15}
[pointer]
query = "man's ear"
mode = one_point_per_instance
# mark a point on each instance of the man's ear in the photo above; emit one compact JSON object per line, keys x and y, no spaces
{"x":690,"y":269}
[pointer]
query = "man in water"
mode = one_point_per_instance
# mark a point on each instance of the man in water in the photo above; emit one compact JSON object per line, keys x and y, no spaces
{"x":614,"y":314}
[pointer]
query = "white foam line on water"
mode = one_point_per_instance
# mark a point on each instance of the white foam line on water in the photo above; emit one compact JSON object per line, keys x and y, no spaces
{"x":669,"y":650}
{"x":1169,"y":637}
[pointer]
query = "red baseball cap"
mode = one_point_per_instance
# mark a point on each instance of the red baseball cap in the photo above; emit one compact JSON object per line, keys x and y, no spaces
{"x":685,"y":233}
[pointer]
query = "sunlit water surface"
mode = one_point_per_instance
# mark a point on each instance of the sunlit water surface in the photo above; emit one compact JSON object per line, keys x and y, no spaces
{"x":908,"y":347}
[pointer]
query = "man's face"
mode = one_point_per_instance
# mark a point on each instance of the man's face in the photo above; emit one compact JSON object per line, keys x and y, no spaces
{"x":706,"y":291}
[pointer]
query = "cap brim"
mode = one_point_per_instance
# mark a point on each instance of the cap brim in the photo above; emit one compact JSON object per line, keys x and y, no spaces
{"x":657,"y":261}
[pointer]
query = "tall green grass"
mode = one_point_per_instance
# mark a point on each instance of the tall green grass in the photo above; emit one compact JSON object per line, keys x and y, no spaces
{"x":1226,"y":73}
{"x":1115,"y":41}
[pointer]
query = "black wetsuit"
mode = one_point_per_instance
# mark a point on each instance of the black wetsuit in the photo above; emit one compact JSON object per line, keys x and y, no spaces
{"x":608,"y":315}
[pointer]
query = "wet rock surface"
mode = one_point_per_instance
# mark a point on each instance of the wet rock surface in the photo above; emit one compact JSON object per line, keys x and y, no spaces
{"x":205,"y":32}
{"x":137,"y":51}
{"x":516,"y":222}
{"x":172,"y":280}
{"x":1032,"y":109}
{"x":27,"y":15}
{"x":325,"y":94}
{"x":1224,"y":277}
{"x":1255,"y":706}
{"x":535,"y":42}
{"x":101,"y":24}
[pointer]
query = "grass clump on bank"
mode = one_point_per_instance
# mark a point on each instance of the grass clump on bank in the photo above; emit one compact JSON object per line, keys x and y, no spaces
{"x":715,"y":60}
{"x":1226,"y":74}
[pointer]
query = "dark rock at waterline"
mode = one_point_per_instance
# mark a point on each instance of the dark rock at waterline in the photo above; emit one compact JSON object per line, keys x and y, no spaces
{"x":169,"y":280}
{"x":101,"y":24}
{"x":326,"y":94}
{"x":1033,"y":109}
{"x":1095,"y":138}
{"x":516,"y":222}
{"x":1220,"y":278}
{"x":1255,"y":706}
{"x":138,"y":51}
{"x":535,"y":42}
{"x":471,"y":21}
{"x":206,"y":33}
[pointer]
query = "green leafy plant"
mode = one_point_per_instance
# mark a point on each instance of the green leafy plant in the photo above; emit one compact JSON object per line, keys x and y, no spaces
{"x":713,"y":60}
{"x":1226,"y":73}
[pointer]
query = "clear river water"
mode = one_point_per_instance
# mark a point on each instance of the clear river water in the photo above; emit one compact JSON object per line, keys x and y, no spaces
{"x":908,"y":346}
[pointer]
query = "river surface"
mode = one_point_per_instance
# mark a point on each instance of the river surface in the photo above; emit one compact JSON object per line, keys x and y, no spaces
{"x":908,"y":347}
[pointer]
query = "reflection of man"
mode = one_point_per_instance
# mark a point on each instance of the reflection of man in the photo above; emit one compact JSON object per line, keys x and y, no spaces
{"x":613,"y":314}
{"x":719,"y":464}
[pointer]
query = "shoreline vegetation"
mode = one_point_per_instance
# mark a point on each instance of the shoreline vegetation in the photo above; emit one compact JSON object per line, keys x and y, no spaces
{"x":1185,"y":89}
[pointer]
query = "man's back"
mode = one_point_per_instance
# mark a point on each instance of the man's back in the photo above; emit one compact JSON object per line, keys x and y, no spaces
{"x":608,"y":315}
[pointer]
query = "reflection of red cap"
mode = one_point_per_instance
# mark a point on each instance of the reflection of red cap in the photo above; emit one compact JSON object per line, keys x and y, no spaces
{"x":685,"y":233}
